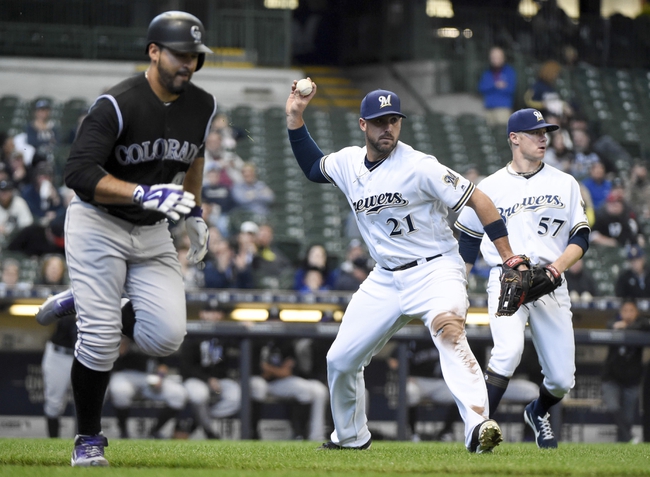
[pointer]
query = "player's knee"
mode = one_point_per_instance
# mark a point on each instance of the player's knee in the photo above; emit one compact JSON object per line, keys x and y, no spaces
{"x":560,"y":387}
{"x":340,"y":363}
{"x":176,"y":397}
{"x":448,"y":327}
{"x":160,"y":343}
{"x":98,"y":351}
{"x":197,"y":391}
{"x":258,"y":388}
{"x":121,"y":395}
{"x":319,"y":390}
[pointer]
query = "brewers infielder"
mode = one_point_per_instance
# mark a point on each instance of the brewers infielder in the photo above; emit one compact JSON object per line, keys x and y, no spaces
{"x":400,"y":197}
{"x":137,"y":160}
{"x":545,"y":215}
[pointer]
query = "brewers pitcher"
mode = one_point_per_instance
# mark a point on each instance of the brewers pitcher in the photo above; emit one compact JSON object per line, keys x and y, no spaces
{"x":137,"y":160}
{"x":400,"y":197}
{"x":545,"y":215}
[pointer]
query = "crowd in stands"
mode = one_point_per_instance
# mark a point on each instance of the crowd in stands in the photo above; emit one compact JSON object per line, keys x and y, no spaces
{"x":245,"y":255}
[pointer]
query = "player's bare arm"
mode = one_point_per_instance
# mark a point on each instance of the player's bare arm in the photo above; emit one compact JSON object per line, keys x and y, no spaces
{"x":487,"y":214}
{"x":571,"y":255}
{"x":296,"y":105}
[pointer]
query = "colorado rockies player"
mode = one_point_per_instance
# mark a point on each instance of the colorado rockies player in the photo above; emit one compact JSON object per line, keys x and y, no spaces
{"x":137,"y":160}
{"x":400,"y":197}
{"x":544,"y":212}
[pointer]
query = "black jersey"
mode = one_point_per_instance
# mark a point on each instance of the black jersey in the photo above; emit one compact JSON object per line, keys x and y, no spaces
{"x":132,"y":135}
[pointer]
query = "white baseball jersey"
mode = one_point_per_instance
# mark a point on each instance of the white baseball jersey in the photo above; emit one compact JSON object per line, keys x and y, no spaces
{"x":541,"y":213}
{"x":401,"y":206}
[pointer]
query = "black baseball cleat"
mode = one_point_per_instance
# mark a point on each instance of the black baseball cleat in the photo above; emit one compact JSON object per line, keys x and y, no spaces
{"x":541,"y":425}
{"x":329,"y":445}
{"x":55,"y":307}
{"x":485,"y":437}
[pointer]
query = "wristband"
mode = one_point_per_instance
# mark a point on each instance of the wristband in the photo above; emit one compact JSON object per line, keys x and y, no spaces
{"x":554,"y":271}
{"x":196,"y":211}
{"x":496,"y":229}
{"x":139,"y":192}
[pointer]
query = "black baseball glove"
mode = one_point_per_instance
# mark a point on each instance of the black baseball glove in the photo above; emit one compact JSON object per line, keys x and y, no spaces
{"x":543,"y":284}
{"x":514,"y":285}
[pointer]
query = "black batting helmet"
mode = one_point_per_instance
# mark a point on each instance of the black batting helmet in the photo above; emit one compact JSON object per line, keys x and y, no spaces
{"x":178,"y":31}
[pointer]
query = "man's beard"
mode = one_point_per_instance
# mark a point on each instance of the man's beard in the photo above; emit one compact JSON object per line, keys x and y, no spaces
{"x":167,"y":80}
{"x":384,"y":150}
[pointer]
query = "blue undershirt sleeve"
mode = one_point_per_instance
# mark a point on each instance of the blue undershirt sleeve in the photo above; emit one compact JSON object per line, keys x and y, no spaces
{"x":581,"y":239}
{"x":307,"y":153}
{"x":469,"y":247}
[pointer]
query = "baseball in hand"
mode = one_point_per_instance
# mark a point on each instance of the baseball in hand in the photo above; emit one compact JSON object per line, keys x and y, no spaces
{"x":304,"y":87}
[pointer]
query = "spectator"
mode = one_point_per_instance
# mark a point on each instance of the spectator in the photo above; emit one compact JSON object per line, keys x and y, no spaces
{"x":42,"y":132}
{"x":584,"y":155}
{"x":622,"y":372}
{"x":230,"y":134}
{"x":559,"y":154}
{"x":193,"y":278}
{"x":315,"y":258}
{"x":14,"y":212}
{"x":11,"y":273}
{"x":313,"y":281}
{"x":26,"y":150}
{"x":272,"y":269}
{"x":543,"y":95}
{"x":53,"y":271}
{"x":351,"y":281}
{"x":137,"y":375}
{"x":634,"y":281}
{"x":637,"y":190}
{"x":18,"y":170}
{"x":56,"y":365}
{"x":580,"y":282}
{"x":497,"y":86}
{"x":252,"y":194}
{"x":277,"y":379}
{"x":228,"y":268}
{"x":597,"y":184}
{"x":216,"y":193}
{"x":247,"y":240}
{"x":7,"y":147}
{"x":207,"y":366}
{"x":553,"y":30}
{"x":42,"y":197}
{"x":354,"y":250}
{"x":614,"y":225}
{"x":222,"y":159}
{"x":38,"y":239}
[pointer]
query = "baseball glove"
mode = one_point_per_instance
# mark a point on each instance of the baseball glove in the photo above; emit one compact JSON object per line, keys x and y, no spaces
{"x":514,"y":285}
{"x":542,"y":284}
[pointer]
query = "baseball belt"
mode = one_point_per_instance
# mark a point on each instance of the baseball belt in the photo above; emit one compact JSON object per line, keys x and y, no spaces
{"x":412,"y":264}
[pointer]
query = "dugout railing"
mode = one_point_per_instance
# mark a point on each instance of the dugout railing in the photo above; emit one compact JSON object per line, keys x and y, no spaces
{"x":21,"y":334}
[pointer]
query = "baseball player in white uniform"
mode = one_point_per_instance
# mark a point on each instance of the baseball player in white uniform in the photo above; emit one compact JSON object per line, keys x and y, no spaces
{"x":400,"y":197}
{"x":545,"y":215}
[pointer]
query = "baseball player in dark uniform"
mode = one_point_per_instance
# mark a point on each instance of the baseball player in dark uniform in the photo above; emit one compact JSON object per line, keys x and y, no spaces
{"x":56,"y":364}
{"x":137,"y":160}
{"x":206,"y":365}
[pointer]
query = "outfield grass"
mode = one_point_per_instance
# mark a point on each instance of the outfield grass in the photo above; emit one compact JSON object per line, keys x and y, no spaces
{"x":147,"y":458}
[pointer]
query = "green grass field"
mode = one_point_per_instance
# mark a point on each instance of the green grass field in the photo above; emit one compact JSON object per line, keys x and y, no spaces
{"x":147,"y":458}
